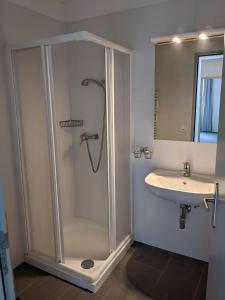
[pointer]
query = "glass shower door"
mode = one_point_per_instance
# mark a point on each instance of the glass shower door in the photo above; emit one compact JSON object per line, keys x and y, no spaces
{"x":80,"y":115}
{"x":32,"y":126}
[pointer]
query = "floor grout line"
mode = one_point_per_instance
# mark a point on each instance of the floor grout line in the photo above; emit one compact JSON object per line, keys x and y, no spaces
{"x":164,"y":270}
{"x":198,"y":285}
{"x":27,"y":287}
{"x":34,"y":281}
{"x":66,"y":290}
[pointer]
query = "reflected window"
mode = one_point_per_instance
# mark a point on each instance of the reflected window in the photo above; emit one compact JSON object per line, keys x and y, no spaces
{"x":208,"y":92}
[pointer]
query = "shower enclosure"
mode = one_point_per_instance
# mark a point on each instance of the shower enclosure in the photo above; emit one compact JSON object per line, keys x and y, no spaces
{"x":71,"y":104}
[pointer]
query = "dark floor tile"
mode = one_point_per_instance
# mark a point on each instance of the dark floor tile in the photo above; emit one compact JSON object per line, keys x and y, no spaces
{"x":155,"y":257}
{"x":142,"y":276}
{"x":145,"y":273}
{"x":26,"y":275}
{"x":189,"y":262}
{"x":71,"y":293}
{"x":49,"y":288}
{"x":201,"y":289}
{"x":111,"y":290}
{"x":117,"y":287}
{"x":179,"y":281}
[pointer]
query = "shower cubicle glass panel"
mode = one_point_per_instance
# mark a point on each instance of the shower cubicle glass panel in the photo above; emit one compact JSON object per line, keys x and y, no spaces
{"x":122,"y":144}
{"x":32,"y":120}
{"x":80,"y":122}
{"x":72,"y":111}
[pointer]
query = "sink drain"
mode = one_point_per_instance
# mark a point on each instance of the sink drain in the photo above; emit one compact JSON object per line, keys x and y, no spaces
{"x":87,"y":264}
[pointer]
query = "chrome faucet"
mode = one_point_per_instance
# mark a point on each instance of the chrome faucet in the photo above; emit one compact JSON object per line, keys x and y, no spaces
{"x":85,"y":137}
{"x":187,"y":169}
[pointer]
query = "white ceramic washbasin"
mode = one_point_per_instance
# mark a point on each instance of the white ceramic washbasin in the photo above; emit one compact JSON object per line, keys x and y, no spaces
{"x":173,"y":186}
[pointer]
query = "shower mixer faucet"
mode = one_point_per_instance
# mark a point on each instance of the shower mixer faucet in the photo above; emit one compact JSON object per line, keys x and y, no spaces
{"x":85,"y":137}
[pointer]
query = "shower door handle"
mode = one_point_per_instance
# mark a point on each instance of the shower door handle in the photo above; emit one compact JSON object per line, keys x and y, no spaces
{"x":214,"y":201}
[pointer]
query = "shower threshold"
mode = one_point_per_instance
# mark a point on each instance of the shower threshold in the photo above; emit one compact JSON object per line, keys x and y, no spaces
{"x":72,"y":271}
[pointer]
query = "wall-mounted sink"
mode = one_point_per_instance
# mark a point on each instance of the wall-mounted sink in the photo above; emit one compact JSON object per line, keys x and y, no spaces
{"x":173,"y":186}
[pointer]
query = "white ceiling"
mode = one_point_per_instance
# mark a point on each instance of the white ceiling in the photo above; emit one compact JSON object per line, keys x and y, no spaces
{"x":50,"y":8}
{"x":82,"y":9}
{"x":74,"y":10}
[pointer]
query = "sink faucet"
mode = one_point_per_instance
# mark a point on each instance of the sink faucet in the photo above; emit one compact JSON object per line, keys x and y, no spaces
{"x":187,"y":169}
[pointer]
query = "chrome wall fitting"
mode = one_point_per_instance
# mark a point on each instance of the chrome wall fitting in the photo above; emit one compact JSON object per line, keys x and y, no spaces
{"x":137,"y":153}
{"x":145,"y":150}
{"x":85,"y":137}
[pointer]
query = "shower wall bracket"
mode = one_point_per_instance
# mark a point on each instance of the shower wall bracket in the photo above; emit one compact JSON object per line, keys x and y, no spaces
{"x":71,"y":123}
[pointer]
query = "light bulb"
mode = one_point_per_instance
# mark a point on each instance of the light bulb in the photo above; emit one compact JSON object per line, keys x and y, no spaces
{"x":176,"y":40}
{"x":203,"y":36}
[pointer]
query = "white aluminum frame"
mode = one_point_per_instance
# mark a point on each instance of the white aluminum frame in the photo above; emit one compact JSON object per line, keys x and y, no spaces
{"x":72,"y":37}
{"x":56,"y":267}
{"x":49,"y":98}
{"x":19,"y":153}
{"x":109,"y":59}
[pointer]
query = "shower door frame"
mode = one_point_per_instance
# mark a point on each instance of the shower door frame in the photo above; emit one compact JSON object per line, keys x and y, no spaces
{"x":45,"y":46}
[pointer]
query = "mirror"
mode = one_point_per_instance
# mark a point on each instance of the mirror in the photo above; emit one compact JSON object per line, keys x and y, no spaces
{"x":188,"y":77}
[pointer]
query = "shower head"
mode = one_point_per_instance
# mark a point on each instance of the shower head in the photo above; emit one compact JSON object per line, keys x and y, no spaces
{"x":87,"y":81}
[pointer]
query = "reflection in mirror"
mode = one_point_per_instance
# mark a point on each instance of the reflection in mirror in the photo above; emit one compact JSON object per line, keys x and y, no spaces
{"x":187,"y":89}
{"x":208,"y":98}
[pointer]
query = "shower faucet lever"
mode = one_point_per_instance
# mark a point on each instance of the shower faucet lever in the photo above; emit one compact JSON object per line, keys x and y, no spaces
{"x":85,"y":137}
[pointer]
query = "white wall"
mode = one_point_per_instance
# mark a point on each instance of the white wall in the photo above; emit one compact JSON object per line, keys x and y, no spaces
{"x":16,"y":25}
{"x":156,"y":221}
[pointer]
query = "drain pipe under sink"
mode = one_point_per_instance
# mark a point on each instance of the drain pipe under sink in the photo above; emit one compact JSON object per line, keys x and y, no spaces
{"x":184,"y":209}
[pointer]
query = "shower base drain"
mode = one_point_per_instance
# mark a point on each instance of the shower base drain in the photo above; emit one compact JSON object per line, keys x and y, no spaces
{"x":87,"y":264}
